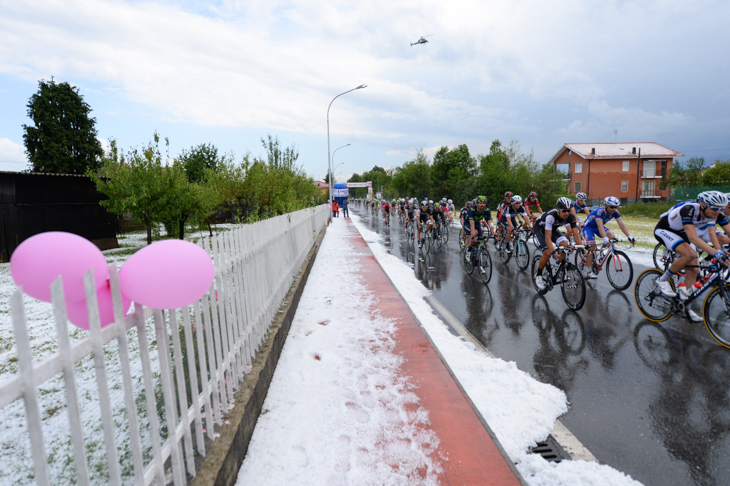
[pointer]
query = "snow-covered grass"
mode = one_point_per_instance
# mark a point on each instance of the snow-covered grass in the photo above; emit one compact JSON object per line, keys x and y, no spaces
{"x":337,"y":413}
{"x":15,"y":458}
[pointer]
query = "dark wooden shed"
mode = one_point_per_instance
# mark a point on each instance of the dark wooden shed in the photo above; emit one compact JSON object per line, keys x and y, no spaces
{"x":33,"y":203}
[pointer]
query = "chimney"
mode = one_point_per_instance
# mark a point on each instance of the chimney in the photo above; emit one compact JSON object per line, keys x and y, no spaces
{"x":593,"y":151}
{"x":633,"y":150}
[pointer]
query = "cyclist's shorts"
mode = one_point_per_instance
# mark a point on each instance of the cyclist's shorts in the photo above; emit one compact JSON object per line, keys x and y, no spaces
{"x":557,"y":238}
{"x":669,"y":238}
{"x":387,"y":209}
{"x":590,"y":233}
{"x":503,"y":221}
{"x":477,"y":226}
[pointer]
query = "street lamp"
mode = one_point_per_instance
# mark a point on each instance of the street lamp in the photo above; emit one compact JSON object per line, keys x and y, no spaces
{"x":329,"y":158}
{"x":333,"y":160}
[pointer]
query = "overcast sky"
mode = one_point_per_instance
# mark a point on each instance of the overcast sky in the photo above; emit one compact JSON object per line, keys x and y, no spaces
{"x":230,"y":72}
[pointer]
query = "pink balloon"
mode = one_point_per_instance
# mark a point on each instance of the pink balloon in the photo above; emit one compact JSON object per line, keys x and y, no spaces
{"x":167,"y":275}
{"x":40,"y":259}
{"x":79,"y":317}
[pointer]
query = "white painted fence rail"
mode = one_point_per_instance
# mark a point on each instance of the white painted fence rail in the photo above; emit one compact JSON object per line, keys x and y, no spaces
{"x":163,"y":381}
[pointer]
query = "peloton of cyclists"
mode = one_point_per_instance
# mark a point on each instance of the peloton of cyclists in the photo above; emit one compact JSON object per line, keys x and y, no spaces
{"x":679,"y":230}
{"x":548,"y":234}
{"x":595,"y":224}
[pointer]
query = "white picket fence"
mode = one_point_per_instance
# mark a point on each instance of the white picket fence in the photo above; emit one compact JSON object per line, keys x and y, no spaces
{"x":145,"y":416}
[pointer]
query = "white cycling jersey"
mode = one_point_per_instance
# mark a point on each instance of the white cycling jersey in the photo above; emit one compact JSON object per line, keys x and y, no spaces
{"x":689,"y":213}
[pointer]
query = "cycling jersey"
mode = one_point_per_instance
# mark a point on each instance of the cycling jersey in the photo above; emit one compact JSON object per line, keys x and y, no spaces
{"x":580,"y":207}
{"x":386,"y":207}
{"x":511,"y":212}
{"x":528,"y":204}
{"x":437,"y":214}
{"x":501,"y":207}
{"x":477,"y":217}
{"x":425,"y":214}
{"x":689,"y":213}
{"x":601,"y":214}
{"x":552,"y":221}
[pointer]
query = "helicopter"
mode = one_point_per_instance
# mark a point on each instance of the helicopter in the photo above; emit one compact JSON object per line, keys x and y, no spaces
{"x":422,"y":40}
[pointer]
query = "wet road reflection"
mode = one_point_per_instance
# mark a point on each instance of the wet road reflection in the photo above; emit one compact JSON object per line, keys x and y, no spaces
{"x":652,"y":400}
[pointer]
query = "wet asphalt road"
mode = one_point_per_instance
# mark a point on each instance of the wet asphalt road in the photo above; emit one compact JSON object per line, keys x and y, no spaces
{"x":651,"y":400}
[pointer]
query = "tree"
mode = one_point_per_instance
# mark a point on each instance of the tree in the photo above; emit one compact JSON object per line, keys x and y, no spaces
{"x":197,"y":159}
{"x":718,"y":175}
{"x":63,"y":140}
{"x":143,"y":186}
{"x":688,"y":174}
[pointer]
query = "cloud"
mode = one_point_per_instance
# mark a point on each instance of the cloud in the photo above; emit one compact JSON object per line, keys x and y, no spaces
{"x":12,"y":156}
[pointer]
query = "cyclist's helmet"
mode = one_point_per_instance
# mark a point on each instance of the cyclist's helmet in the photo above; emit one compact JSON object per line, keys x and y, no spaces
{"x":430,"y":202}
{"x":508,"y":194}
{"x":468,"y":204}
{"x":713,"y":198}
{"x":424,"y":202}
{"x":516,"y":199}
{"x":450,"y":201}
{"x":611,"y":201}
{"x":563,"y":203}
{"x":481,"y":199}
{"x":533,"y":194}
{"x":581,"y":195}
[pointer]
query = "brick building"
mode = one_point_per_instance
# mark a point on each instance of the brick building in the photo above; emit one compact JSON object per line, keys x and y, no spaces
{"x":629,"y":171}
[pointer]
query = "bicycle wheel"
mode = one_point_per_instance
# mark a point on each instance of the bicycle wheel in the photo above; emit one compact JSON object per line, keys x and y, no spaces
{"x":652,"y":304}
{"x":522,"y":254}
{"x":573,"y":287}
{"x":484,"y":261}
{"x":716,"y":314}
{"x":662,"y":256}
{"x":619,"y":270}
{"x":462,"y":241}
{"x":504,"y":255}
{"x":445,"y":233}
{"x":436,"y":238}
{"x":545,"y":273}
{"x":468,"y":263}
{"x":429,"y":242}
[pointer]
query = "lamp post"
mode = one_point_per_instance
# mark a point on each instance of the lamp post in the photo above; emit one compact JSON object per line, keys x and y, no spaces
{"x":329,"y":158}
{"x":333,"y":161}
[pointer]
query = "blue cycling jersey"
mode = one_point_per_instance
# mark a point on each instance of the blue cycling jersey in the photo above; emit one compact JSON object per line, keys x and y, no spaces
{"x":601,"y":214}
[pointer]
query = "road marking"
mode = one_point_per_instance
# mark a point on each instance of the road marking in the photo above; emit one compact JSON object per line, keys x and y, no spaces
{"x":560,"y":433}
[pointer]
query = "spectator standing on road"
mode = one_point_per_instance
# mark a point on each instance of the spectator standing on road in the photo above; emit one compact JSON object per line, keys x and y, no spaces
{"x":335,"y":209}
{"x":345,"y":212}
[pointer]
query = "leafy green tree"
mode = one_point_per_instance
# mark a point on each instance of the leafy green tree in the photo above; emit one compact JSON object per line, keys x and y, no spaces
{"x":450,"y":171}
{"x":63,"y":140}
{"x":278,"y":158}
{"x":718,"y":175}
{"x":142,"y":185}
{"x":413,"y":179}
{"x":687,"y":174}
{"x":197,"y":159}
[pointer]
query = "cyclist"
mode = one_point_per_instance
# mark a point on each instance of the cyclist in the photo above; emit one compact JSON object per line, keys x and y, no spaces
{"x":410,"y":211}
{"x":500,"y":209}
{"x":530,"y":202}
{"x":444,"y":211}
{"x":678,"y":231}
{"x":438,"y":215}
{"x":477,"y":214}
{"x":452,"y":208}
{"x":579,"y":206}
{"x":462,"y":218}
{"x":548,"y":235}
{"x":595,"y":224}
{"x":425,"y":216}
{"x":401,"y":206}
{"x":509,"y":218}
{"x":386,"y":211}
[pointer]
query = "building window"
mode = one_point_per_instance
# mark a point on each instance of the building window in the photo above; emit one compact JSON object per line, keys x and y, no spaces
{"x":577,"y":187}
{"x":578,"y":167}
{"x":647,"y":188}
{"x":625,"y":167}
{"x":624,"y":186}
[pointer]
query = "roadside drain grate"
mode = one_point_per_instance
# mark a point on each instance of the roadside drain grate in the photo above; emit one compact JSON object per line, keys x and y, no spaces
{"x":550,"y":450}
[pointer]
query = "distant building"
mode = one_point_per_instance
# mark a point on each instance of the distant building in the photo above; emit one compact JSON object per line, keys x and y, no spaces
{"x":628,"y":171}
{"x":322,"y":186}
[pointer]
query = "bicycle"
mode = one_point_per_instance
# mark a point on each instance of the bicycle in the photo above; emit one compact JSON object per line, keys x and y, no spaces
{"x":410,"y":233}
{"x":386,"y":219}
{"x":519,"y":248}
{"x":619,"y":270}
{"x":478,"y":256}
{"x":426,"y":238}
{"x":563,"y":273}
{"x":444,"y":229}
{"x":657,"y":307}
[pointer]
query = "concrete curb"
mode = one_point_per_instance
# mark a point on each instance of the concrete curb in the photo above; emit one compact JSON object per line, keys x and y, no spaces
{"x":224,"y":459}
